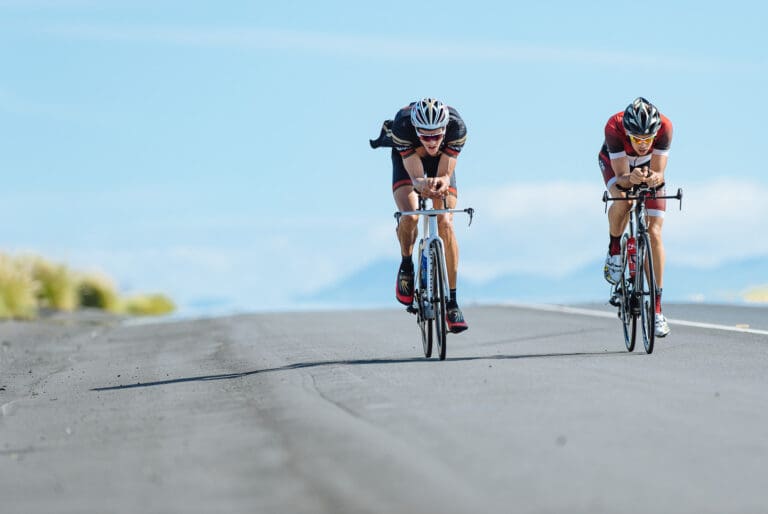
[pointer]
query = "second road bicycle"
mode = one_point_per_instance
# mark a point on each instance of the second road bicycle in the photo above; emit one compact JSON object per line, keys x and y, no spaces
{"x":635,"y":293}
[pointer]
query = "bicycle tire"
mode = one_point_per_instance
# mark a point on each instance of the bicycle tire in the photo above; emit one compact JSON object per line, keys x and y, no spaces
{"x":438,"y":295}
{"x":425,"y":327}
{"x":628,"y":322}
{"x":425,"y":324}
{"x":648,"y":299}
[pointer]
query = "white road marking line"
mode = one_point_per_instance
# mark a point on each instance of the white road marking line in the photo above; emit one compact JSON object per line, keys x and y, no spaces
{"x":603,"y":314}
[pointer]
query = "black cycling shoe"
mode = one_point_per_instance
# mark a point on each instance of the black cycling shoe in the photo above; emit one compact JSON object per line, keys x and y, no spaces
{"x":404,"y":287}
{"x":455,"y":318}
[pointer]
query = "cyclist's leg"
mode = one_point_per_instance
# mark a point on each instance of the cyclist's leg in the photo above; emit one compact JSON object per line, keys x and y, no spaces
{"x":406,"y":199}
{"x":447,"y":234}
{"x":618,"y":212}
{"x":656,"y":209}
{"x":454,"y":316}
{"x":618,"y":216}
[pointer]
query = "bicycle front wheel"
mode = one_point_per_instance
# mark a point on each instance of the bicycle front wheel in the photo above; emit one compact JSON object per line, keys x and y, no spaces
{"x":647,"y":285}
{"x":628,"y":321}
{"x":438,"y":296}
{"x":425,"y":326}
{"x":624,"y":290}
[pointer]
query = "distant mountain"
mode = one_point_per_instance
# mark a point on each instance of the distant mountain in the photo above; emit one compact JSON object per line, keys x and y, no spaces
{"x":374,"y":285}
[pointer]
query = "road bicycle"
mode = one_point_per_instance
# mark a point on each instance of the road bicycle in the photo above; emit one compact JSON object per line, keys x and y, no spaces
{"x":431,"y":278}
{"x":635,"y":293}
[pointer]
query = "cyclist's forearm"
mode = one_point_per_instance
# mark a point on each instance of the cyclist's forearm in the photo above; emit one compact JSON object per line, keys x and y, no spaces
{"x":624,"y":181}
{"x":446,"y":166}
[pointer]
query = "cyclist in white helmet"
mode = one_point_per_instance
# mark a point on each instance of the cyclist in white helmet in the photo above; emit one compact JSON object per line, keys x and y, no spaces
{"x":426,"y":138}
{"x":635,"y":150}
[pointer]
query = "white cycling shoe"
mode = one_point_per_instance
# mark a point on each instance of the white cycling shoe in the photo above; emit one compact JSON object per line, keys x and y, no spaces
{"x":662,"y":327}
{"x":612,"y":269}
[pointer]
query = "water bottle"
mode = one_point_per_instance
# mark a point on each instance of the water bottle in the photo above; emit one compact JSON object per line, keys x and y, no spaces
{"x":423,"y":270}
{"x":632,"y":254}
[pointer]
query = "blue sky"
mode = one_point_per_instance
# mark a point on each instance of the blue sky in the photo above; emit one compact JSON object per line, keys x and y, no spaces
{"x":219,"y":149}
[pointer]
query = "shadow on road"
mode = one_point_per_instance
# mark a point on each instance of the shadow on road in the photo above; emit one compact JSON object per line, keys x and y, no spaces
{"x":354,"y":362}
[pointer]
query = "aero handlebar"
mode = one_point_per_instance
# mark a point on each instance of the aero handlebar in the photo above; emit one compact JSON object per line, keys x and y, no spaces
{"x":642,"y":191}
{"x":434,"y":212}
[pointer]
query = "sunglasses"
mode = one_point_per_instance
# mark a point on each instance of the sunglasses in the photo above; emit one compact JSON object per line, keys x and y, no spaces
{"x":430,"y":137}
{"x":641,"y":139}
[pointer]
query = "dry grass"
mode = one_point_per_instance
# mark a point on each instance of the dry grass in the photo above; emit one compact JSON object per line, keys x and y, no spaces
{"x":148,"y":305}
{"x":18,"y":288}
{"x":757,"y":294}
{"x":57,"y":285}
{"x":30,"y":283}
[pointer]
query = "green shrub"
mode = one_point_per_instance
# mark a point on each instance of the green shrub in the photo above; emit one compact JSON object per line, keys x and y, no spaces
{"x":148,"y":305}
{"x":57,"y":285}
{"x":18,"y":289}
{"x":99,"y":291}
{"x":29,"y":283}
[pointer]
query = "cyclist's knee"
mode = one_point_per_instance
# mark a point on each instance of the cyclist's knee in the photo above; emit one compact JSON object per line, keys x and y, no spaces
{"x":622,"y":207}
{"x":654,"y":230}
{"x":408,"y":222}
{"x":446,"y":231}
{"x":445,"y":223}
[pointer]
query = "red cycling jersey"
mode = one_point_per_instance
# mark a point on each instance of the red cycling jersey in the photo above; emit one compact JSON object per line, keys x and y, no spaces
{"x":617,"y":142}
{"x":617,"y":145}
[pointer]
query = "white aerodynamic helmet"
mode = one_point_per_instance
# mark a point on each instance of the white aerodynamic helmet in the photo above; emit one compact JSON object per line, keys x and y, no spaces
{"x":429,"y":114}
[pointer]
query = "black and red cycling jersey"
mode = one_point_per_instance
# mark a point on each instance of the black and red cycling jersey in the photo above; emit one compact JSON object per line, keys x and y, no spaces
{"x":617,"y":143}
{"x":406,"y":140}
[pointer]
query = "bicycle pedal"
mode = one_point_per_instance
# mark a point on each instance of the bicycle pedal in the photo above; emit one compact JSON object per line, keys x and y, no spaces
{"x":412,"y":309}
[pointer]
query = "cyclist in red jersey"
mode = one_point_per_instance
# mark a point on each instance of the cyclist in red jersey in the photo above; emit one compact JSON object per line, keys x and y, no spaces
{"x":426,"y":138}
{"x":635,"y":151}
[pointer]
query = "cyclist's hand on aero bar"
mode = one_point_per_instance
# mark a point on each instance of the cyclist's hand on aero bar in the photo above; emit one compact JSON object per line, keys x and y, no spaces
{"x":438,"y":187}
{"x":655,"y":179}
{"x":421,"y":185}
{"x":639,"y":175}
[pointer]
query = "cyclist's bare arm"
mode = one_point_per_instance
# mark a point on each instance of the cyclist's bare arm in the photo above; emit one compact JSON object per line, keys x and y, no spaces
{"x":620,"y":167}
{"x":658,"y":165}
{"x":652,"y":175}
{"x":445,"y":169}
{"x":415,"y":169}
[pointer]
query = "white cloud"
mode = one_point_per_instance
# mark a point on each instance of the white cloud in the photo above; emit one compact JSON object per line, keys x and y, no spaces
{"x":557,"y":227}
{"x":548,"y":228}
{"x":721,"y":220}
{"x":372,"y":46}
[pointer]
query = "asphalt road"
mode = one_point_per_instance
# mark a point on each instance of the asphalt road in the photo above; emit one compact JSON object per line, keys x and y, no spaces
{"x":534,"y":411}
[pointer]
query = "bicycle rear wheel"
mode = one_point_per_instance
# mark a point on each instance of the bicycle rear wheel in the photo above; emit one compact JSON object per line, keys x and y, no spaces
{"x":438,"y":295}
{"x":647,"y":285}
